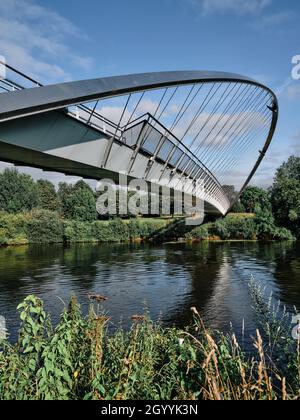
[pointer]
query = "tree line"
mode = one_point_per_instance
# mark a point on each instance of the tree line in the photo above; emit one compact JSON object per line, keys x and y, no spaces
{"x":279,"y":205}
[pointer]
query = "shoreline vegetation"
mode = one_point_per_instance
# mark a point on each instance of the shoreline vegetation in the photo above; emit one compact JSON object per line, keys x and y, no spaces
{"x":36,"y":212}
{"x":82,"y":359}
{"x":45,"y":227}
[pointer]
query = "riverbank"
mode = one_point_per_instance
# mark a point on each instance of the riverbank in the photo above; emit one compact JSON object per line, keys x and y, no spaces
{"x":83,"y":359}
{"x":45,"y":227}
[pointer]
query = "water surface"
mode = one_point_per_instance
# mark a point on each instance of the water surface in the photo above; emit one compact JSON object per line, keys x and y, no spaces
{"x":167,"y":279}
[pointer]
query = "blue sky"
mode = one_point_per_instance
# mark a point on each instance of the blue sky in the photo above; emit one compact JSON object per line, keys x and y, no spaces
{"x":65,"y":40}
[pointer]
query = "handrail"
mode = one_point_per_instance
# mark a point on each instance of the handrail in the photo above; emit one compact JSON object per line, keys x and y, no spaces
{"x":114,"y":126}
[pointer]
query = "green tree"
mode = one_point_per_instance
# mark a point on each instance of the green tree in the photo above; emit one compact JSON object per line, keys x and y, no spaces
{"x":254,"y":197}
{"x":238,"y":208}
{"x":78,"y":202}
{"x":18,"y":192}
{"x":285,"y":195}
{"x":44,"y":227}
{"x":47,"y":196}
{"x":64,"y":192}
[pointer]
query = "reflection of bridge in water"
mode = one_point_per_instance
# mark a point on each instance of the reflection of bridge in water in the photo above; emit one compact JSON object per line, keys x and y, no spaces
{"x":170,"y":128}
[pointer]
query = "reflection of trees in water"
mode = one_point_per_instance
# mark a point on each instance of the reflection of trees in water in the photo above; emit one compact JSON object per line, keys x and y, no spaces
{"x":287,"y":274}
{"x":206,"y":268}
{"x":280,"y":263}
{"x":213,"y":268}
{"x":203,"y":262}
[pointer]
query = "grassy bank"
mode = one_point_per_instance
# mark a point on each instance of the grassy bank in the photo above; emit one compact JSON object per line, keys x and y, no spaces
{"x":81,"y":359}
{"x":44,"y":227}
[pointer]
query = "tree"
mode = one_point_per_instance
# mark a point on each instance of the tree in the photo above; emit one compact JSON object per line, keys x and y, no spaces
{"x":230,"y":192}
{"x":78,"y":201}
{"x":254,"y":197}
{"x":238,"y":208}
{"x":265,"y":222}
{"x":64,"y":193}
{"x":285,"y":195}
{"x":18,"y":192}
{"x":47,"y":196}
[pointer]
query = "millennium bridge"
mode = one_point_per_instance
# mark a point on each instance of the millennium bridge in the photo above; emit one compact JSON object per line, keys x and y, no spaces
{"x":171,"y":129}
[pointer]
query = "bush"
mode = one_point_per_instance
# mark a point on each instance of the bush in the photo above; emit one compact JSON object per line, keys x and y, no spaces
{"x":238,"y":208}
{"x":149,"y":228}
{"x":114,"y":231}
{"x":76,"y":232}
{"x":201,"y":232}
{"x":283,"y":234}
{"x":235,"y":228}
{"x":44,"y":227}
{"x":13,"y":229}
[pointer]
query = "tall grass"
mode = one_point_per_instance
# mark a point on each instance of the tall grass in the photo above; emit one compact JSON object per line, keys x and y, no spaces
{"x":82,"y":359}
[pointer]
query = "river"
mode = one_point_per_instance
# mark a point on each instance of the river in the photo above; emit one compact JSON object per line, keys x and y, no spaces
{"x":167,"y":280}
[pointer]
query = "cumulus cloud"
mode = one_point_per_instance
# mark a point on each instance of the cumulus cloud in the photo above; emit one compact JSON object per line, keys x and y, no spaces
{"x":35,"y":38}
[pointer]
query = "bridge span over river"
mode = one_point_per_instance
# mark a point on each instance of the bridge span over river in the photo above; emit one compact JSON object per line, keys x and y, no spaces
{"x":170,"y":128}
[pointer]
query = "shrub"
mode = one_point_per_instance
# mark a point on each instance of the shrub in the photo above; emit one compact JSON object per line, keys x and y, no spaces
{"x":44,"y":227}
{"x":13,"y":229}
{"x":113,"y":231}
{"x":200,"y":233}
{"x":235,"y":228}
{"x":76,"y":232}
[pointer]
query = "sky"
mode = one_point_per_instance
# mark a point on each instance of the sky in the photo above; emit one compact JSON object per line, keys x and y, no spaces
{"x":56,"y":41}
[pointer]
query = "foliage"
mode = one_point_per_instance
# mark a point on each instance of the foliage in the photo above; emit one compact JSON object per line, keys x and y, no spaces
{"x":238,"y":208}
{"x":78,"y":202}
{"x":254,"y":197}
{"x":113,"y":231}
{"x":242,"y":227}
{"x":267,"y":228}
{"x":201,"y":232}
{"x":18,"y":192}
{"x":13,"y":229}
{"x":235,"y":228}
{"x":75,"y":231}
{"x":44,"y":227}
{"x":47,"y":197}
{"x":285,"y":195}
{"x":81,"y":359}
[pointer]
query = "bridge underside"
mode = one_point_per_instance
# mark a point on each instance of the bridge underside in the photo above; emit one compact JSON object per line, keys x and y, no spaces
{"x":198,"y":126}
{"x":57,"y":142}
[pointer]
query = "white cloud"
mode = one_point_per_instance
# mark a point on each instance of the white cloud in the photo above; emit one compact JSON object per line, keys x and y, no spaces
{"x":35,"y":39}
{"x":293,"y":92}
{"x":274,"y":19}
{"x":241,"y":7}
{"x":147,"y":105}
{"x":258,"y":10}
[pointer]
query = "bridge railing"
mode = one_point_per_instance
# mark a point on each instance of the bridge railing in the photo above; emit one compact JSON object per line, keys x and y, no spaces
{"x":153,"y":140}
{"x":159,"y":144}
